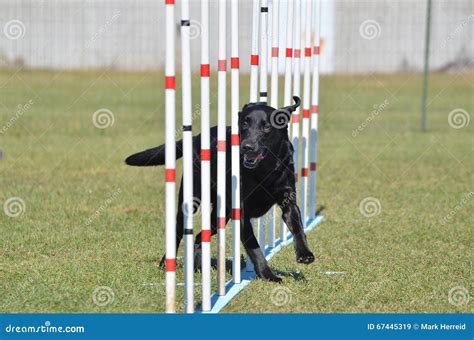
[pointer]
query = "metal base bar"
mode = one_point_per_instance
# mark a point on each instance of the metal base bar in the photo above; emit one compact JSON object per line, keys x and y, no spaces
{"x":232,"y":289}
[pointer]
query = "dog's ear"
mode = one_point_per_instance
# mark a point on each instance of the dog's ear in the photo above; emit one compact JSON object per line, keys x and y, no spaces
{"x":293,"y":107}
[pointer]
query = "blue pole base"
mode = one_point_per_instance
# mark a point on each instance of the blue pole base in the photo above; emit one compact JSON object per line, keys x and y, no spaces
{"x":232,"y":289}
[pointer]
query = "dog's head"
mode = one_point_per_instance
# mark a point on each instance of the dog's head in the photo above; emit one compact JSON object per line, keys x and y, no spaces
{"x":262,"y":130}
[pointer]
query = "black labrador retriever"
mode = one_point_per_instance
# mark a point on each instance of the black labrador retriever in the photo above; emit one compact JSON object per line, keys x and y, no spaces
{"x":267,"y":178}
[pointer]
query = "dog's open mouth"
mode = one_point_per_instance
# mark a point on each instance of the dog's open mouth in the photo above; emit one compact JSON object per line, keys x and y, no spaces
{"x":251,"y":159}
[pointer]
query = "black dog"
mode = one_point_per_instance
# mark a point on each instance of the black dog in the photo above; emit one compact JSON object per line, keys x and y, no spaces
{"x":267,"y":175}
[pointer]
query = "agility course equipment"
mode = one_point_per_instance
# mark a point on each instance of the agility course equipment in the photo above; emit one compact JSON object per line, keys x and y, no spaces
{"x":266,"y":19}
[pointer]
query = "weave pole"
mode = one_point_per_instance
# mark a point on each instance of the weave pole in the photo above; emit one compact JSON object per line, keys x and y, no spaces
{"x":254,"y":53}
{"x":205,"y":160}
{"x":221,"y":148}
{"x":295,"y":119}
{"x":263,"y":90}
{"x":274,"y":100}
{"x":254,"y":60}
{"x":235,"y":105}
{"x":188,"y":198}
{"x":306,"y":108}
{"x":170,"y":158}
{"x":315,"y":109}
{"x":287,"y":89}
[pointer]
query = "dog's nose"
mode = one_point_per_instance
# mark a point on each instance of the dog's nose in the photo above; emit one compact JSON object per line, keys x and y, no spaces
{"x":247,"y":146}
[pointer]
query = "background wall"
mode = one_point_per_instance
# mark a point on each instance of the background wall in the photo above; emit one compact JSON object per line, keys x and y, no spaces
{"x":358,"y":36}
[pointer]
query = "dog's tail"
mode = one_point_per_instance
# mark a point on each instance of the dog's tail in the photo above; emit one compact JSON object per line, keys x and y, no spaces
{"x":153,"y":156}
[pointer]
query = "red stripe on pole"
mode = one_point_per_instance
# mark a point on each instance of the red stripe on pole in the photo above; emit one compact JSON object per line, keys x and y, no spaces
{"x":236,"y":214}
{"x":170,"y":265}
{"x":221,"y":222}
{"x":313,"y":166}
{"x":234,"y":62}
{"x":205,"y":155}
{"x":295,"y":118}
{"x":305,"y":113}
{"x":205,"y":70}
{"x":297,"y":53}
{"x":315,"y":108}
{"x":307,"y":52}
{"x":275,"y":52}
{"x":254,"y":59}
{"x":221,"y":65}
{"x":235,"y":140}
{"x":316,"y":50}
{"x":221,"y":145}
{"x":289,"y":52}
{"x":206,"y":236}
{"x":170,"y":175}
{"x":169,"y":2}
{"x":170,"y":83}
{"x":304,"y":172}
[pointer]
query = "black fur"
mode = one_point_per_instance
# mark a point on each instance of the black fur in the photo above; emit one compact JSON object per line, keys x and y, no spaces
{"x":267,"y":175}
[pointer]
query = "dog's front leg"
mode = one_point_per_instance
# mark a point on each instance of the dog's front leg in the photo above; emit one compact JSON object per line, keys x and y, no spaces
{"x":292,"y":216}
{"x":262,"y":269}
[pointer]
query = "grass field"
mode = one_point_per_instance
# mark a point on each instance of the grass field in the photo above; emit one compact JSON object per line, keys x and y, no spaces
{"x":89,"y":221}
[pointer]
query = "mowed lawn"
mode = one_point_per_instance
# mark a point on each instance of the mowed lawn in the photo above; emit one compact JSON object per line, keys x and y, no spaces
{"x":90,"y":222}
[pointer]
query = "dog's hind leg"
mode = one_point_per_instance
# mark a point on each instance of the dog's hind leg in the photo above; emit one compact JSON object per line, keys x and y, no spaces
{"x":262,"y":269}
{"x":292,"y":216}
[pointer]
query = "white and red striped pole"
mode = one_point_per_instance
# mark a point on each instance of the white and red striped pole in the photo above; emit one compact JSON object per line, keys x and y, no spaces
{"x":170,"y":158}
{"x":254,"y":52}
{"x":254,"y":60}
{"x":221,"y":147}
{"x":205,"y":160}
{"x":275,"y":4}
{"x":287,"y":90}
{"x":188,"y":197}
{"x":314,"y":110}
{"x":263,"y":90}
{"x":295,"y":119}
{"x":306,"y":108}
{"x":235,"y":140}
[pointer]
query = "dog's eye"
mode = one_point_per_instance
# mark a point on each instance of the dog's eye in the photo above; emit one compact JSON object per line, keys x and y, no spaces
{"x":245,"y":125}
{"x":267,"y":128}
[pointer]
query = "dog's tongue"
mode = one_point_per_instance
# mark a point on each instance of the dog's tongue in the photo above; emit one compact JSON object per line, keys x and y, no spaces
{"x":254,"y":156}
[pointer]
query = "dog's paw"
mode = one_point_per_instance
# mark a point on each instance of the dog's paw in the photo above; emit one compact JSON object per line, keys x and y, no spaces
{"x":268,"y":275}
{"x":306,"y":258}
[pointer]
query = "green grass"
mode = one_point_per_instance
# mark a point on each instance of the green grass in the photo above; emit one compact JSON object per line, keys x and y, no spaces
{"x":402,"y":260}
